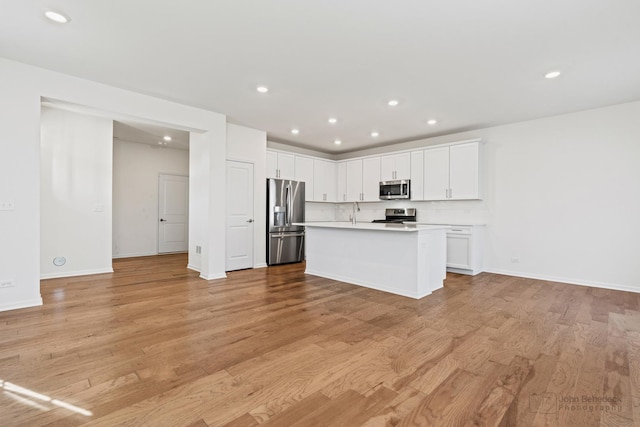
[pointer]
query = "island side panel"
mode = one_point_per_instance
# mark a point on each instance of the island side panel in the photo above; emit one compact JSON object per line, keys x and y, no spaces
{"x":432,"y":261}
{"x":383,"y":260}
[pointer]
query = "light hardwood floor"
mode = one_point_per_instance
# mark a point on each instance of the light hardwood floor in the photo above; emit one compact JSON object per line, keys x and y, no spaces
{"x":152,"y":344}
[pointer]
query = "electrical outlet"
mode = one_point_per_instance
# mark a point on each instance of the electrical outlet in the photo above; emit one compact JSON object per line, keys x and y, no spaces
{"x":7,"y":205}
{"x":6,"y":283}
{"x":198,"y":249}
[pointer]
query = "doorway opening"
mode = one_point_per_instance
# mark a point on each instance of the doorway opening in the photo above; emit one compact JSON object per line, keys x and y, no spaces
{"x":150,"y":190}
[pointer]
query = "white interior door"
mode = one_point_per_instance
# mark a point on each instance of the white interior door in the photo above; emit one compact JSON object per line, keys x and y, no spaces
{"x":173,"y":214}
{"x":239,"y":215}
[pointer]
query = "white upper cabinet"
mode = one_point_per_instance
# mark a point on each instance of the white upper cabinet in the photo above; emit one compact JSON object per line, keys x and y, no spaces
{"x":272,"y":164}
{"x":417,"y":175}
{"x":371,"y":179}
{"x":280,"y":165}
{"x":363,"y":180}
{"x":449,"y":172}
{"x":324,"y":178}
{"x":395,"y":166}
{"x":342,"y":182}
{"x":452,"y":172}
{"x":305,"y":172}
{"x":464,"y":171}
{"x":436,"y":173}
{"x":354,"y":181}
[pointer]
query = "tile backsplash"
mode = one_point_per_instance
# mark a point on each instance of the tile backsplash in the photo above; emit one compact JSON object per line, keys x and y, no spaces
{"x":454,"y":212}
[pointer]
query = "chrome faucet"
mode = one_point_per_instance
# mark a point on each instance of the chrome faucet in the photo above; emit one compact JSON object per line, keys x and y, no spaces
{"x":355,"y":208}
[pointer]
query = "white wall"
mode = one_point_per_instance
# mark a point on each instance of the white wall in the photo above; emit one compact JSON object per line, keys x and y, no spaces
{"x":249,"y":145}
{"x":207,"y":175}
{"x":20,"y":185}
{"x":22,"y":88}
{"x":562,"y":195}
{"x":136,"y":168}
{"x":75,"y":193}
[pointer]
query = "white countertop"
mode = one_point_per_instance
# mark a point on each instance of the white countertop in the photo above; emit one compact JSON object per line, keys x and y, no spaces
{"x":468,"y":224}
{"x":373,"y":226}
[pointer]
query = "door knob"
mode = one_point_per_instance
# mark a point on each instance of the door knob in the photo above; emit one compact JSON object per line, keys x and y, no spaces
{"x":249,"y":220}
{"x":162,"y":220}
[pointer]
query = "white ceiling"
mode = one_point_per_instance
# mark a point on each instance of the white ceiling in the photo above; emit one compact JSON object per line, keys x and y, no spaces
{"x":150,"y":135}
{"x":467,"y":63}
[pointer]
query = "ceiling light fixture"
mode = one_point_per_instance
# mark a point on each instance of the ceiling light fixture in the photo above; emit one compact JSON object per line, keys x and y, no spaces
{"x":332,"y":120}
{"x":393,"y":103}
{"x":57,"y":17}
{"x":375,"y":134}
{"x":262,"y":89}
{"x":337,"y":142}
{"x":432,"y":122}
{"x":295,"y":131}
{"x":166,"y":138}
{"x":552,"y":74}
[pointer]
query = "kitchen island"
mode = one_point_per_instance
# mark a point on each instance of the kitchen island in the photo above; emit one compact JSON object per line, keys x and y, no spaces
{"x":403,"y":259}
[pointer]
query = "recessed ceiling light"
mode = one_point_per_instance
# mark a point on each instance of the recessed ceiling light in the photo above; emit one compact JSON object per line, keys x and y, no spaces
{"x":56,"y":17}
{"x":375,"y":134}
{"x":332,"y":120}
{"x":337,"y":142}
{"x":166,"y":138}
{"x":552,"y":74}
{"x":262,"y":89}
{"x":432,"y":122}
{"x":295,"y":131}
{"x":393,"y":103}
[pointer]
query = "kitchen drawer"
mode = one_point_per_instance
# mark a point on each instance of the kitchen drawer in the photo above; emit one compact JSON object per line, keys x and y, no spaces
{"x":460,"y":229}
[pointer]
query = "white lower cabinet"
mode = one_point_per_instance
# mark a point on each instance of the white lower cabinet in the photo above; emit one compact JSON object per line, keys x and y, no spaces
{"x":465,"y":249}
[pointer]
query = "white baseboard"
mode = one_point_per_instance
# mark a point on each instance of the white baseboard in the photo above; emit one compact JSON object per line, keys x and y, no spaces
{"x":75,"y":273}
{"x":214,"y":276}
{"x":21,"y":304}
{"x":134,"y":254}
{"x":351,"y":281}
{"x":193,"y":267}
{"x":261,"y":265}
{"x":570,"y":281}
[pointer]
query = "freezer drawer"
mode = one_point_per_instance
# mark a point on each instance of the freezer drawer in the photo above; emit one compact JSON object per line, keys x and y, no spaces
{"x":285,"y":247}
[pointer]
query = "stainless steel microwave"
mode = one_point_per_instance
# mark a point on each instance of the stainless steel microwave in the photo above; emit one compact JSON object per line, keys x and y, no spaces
{"x":397,"y":189}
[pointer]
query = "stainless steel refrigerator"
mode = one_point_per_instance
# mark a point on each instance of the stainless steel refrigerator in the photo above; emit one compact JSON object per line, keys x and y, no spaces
{"x":285,"y":206}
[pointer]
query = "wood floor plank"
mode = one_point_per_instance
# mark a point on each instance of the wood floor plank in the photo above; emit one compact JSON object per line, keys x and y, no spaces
{"x":153,"y":344}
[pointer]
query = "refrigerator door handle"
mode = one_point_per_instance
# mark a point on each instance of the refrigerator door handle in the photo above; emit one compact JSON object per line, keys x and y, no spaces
{"x":283,"y":236}
{"x":289,"y":205}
